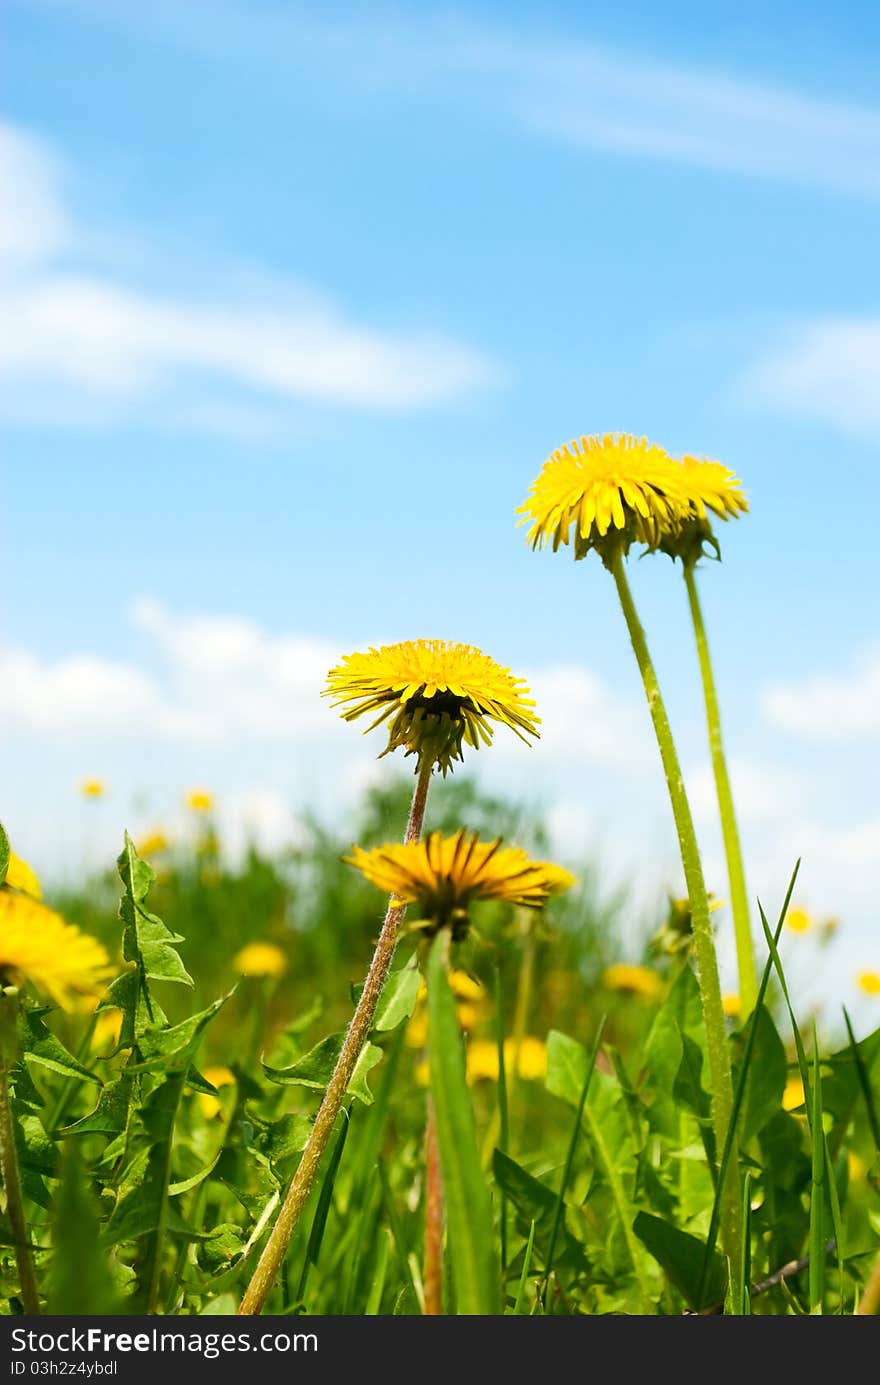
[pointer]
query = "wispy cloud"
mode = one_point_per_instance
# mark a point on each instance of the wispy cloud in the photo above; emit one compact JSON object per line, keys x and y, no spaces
{"x":838,"y":707}
{"x":74,"y":338}
{"x":555,"y":83}
{"x":827,"y":371}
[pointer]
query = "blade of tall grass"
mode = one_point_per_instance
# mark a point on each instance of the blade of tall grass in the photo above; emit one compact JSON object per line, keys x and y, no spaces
{"x":864,"y":1082}
{"x":739,"y":1094}
{"x":524,"y":1276}
{"x":837,"y":1225}
{"x":803,"y":1065}
{"x":380,"y":1271}
{"x":745,"y":1261}
{"x":319,"y":1222}
{"x":470,"y":1231}
{"x":569,"y":1159}
{"x":397,"y":1237}
{"x":503,"y":1112}
{"x":817,"y":1189}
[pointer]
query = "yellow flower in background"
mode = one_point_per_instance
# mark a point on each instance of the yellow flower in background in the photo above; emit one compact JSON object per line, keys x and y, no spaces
{"x":466,"y":987}
{"x":199,"y":800}
{"x":20,"y":876}
{"x":153,"y":844}
{"x":470,"y":996}
{"x":798,"y":920}
{"x":93,"y":788}
{"x":731,"y":1005}
{"x":444,"y":875}
{"x":633,"y":980}
{"x":218,"y":1077}
{"x":260,"y":959}
{"x":436,"y":696}
{"x":869,"y":982}
{"x":793,"y":1096}
{"x":856,"y":1167}
{"x":481,"y":1061}
{"x":108,"y":1027}
{"x":605,"y":491}
{"x":37,"y":945}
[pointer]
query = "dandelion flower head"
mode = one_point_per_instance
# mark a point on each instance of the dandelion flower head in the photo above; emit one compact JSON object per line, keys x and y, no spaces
{"x":444,"y":875}
{"x":93,"y":788}
{"x":20,"y":876}
{"x":711,"y":491}
{"x":37,"y":945}
{"x":435,"y":695}
{"x":260,"y":959}
{"x":869,"y":982}
{"x":199,"y":800}
{"x":607,"y":493}
{"x":633,"y":980}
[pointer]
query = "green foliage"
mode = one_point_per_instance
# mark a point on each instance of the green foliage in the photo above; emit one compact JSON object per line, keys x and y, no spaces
{"x":157,"y":1135}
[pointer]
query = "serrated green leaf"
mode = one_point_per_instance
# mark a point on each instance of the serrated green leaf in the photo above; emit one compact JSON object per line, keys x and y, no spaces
{"x":170,"y":1050}
{"x":39,"y":1045}
{"x":110,"y":1115}
{"x":315,"y":1068}
{"x":145,"y":939}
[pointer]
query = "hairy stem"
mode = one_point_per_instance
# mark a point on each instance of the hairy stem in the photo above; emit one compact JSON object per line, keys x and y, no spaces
{"x":14,"y":1203}
{"x":720,"y":1078}
{"x":739,"y":901}
{"x":432,"y":1276}
{"x":358,"y":1031}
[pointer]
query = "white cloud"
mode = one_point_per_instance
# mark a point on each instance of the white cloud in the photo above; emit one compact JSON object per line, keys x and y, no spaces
{"x":827,"y":370}
{"x":830,"y":706}
{"x":548,"y":80}
{"x":762,"y":792}
{"x":583,"y":719}
{"x":86,"y":338}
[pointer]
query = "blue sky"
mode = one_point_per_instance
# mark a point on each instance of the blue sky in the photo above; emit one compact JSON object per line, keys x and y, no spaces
{"x":298,"y":298}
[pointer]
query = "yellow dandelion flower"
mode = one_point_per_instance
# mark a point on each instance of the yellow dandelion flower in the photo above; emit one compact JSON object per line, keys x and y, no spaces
{"x":711,"y":490}
{"x":531,"y":1062}
{"x":108,"y":1027}
{"x":199,"y":800}
{"x":20,"y":876}
{"x":482,"y":1060}
{"x":856,"y":1167}
{"x":633,"y":980}
{"x":423,"y":1072}
{"x":218,"y":1077}
{"x":608,"y":492}
{"x":93,"y":788}
{"x":798,"y":920}
{"x":444,"y":875}
{"x":260,"y":959}
{"x":869,"y":982}
{"x":731,"y":1005}
{"x":466,"y":987}
{"x":469,"y":1015}
{"x":435,"y":695}
{"x":153,"y":844}
{"x":37,"y":945}
{"x":793,"y":1096}
{"x":417,"y":1027}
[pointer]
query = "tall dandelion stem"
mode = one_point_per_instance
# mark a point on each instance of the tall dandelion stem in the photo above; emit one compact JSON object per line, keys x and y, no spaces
{"x":11,"y":1181}
{"x":739,"y":902}
{"x":707,"y":965}
{"x":356,"y":1036}
{"x":432,"y":1270}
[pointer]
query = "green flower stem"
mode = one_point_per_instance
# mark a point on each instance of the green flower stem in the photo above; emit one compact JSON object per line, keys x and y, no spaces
{"x":30,"y":1296}
{"x":358,"y":1031}
{"x":739,"y":900}
{"x":432,"y":1268}
{"x":720,"y":1077}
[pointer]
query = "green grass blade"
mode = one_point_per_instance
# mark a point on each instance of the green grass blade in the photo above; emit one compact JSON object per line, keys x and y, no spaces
{"x":397,"y":1237}
{"x":745,"y":1263}
{"x":752,"y":1027}
{"x":319,"y":1222}
{"x":569,"y":1160}
{"x":503,"y":1109}
{"x":803,"y":1065}
{"x":380,"y":1271}
{"x":837,"y":1225}
{"x":817,"y":1189}
{"x":523,"y":1279}
{"x":473,"y":1254}
{"x":864,"y":1082}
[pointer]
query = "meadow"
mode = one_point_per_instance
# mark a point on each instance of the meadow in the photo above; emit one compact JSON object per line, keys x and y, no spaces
{"x":211,"y":1101}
